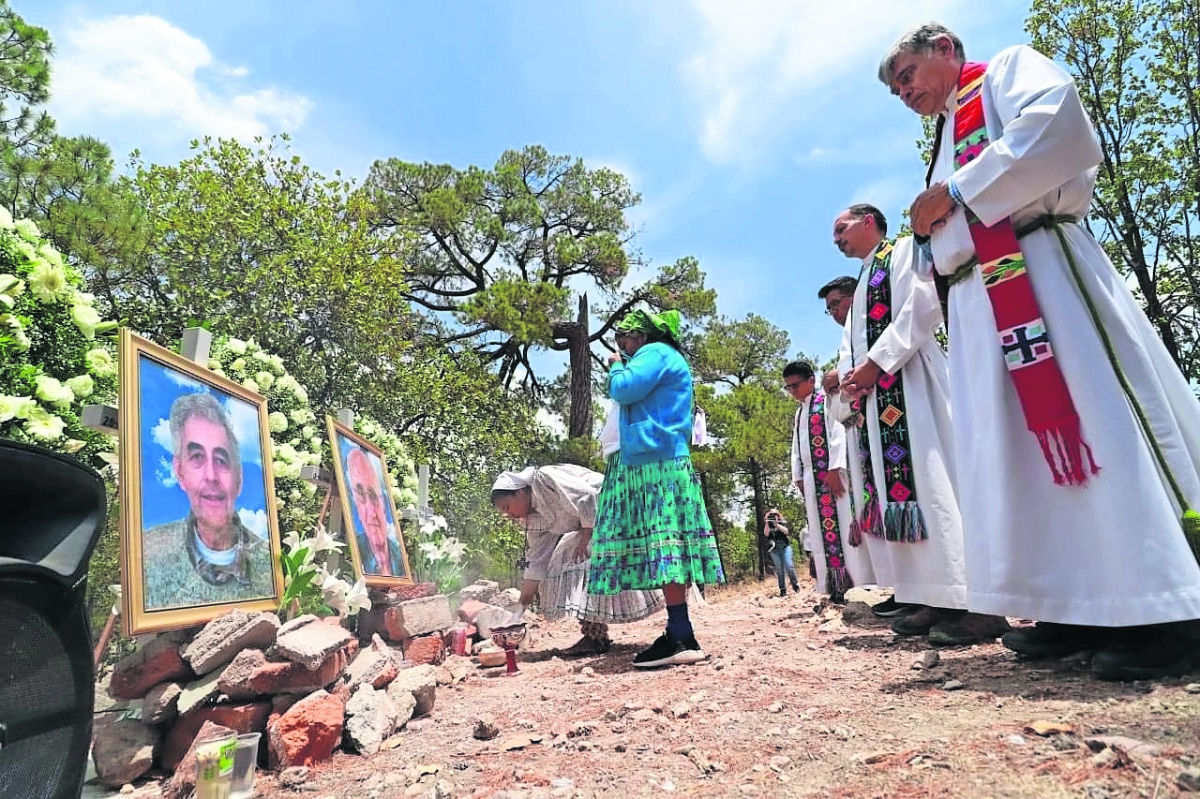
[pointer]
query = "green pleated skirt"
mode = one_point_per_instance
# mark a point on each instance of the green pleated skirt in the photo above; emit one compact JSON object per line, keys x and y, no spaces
{"x":652,"y":529}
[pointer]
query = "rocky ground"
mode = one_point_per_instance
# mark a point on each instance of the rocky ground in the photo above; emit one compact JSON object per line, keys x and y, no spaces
{"x":796,"y":699}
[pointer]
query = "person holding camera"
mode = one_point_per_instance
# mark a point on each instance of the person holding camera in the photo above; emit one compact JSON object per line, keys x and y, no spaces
{"x":779,"y":547}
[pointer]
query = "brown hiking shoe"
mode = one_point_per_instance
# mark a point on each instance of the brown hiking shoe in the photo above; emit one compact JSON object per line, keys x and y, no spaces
{"x":968,"y":629}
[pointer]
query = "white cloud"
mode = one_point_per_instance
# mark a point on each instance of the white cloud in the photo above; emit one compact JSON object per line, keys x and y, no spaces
{"x":255,"y":521}
{"x":164,"y":474}
{"x":142,"y":69}
{"x":244,"y":418}
{"x":161,"y":433}
{"x":764,"y":64}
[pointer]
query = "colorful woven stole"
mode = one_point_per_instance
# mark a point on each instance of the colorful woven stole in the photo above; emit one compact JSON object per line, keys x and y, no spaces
{"x":867,"y":516}
{"x":902,"y":519}
{"x":831,"y":536}
{"x":1045,"y":399}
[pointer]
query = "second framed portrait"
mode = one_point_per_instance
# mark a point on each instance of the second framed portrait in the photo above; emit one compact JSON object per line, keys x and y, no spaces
{"x":371,"y":521}
{"x":199,"y":531}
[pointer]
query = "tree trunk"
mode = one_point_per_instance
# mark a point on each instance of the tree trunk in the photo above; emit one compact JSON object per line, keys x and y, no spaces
{"x":760,"y":513}
{"x":580,"y":423}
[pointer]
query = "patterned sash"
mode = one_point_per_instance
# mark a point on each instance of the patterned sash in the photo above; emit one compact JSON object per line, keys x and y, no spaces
{"x":902,"y":519}
{"x":840,"y":580}
{"x":1045,"y":399}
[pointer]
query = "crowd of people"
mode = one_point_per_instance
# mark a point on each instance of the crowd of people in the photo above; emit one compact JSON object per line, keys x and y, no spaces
{"x":1042,"y":462}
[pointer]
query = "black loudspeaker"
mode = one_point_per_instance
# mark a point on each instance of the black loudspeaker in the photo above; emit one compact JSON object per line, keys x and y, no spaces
{"x":52,"y":511}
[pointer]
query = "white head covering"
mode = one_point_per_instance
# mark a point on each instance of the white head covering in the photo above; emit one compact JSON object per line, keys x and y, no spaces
{"x":514,"y":481}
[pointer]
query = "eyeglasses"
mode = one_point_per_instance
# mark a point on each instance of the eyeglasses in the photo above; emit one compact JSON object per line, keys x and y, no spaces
{"x":833,"y":303}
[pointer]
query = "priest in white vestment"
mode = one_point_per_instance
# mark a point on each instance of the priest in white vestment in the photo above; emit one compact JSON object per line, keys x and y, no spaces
{"x":911,"y":443}
{"x":1097,"y":561}
{"x":830,"y":542}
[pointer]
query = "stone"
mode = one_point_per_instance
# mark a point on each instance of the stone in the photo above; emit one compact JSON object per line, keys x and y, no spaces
{"x":183,"y":782}
{"x":251,"y":674}
{"x":197,"y":693}
{"x":294,"y":778}
{"x":459,"y":667}
{"x":854,"y":612}
{"x":929,"y":658}
{"x":374,"y":666}
{"x":415,"y":617}
{"x":952,"y":685}
{"x":123,"y":750}
{"x":238,"y":677}
{"x":469,"y":609}
{"x":427,"y":649}
{"x":157,"y":662}
{"x":308,"y":732}
{"x":492,"y":616}
{"x":443,"y":676}
{"x":370,"y":720}
{"x":161,"y":704}
{"x":1188,"y":780}
{"x":421,"y":682}
{"x":243,"y":718}
{"x":485,"y":728}
{"x":228,"y":634}
{"x":405,"y":704}
{"x":1192,"y":688}
{"x":310,"y":644}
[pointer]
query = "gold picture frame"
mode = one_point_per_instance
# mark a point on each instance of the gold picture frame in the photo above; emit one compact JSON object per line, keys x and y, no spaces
{"x":195,"y":464}
{"x":368,"y":502}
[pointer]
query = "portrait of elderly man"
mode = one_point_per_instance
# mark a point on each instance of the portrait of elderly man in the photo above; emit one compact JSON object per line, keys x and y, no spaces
{"x":209,"y":556}
{"x":374,"y":532}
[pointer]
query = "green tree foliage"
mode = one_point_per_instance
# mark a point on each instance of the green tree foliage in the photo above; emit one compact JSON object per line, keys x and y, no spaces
{"x":254,"y":243}
{"x":502,"y":253}
{"x":63,"y":183}
{"x":738,"y":364}
{"x":1137,"y":65}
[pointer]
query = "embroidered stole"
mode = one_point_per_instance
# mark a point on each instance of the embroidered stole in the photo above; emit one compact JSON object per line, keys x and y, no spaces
{"x":1045,"y":399}
{"x":902,"y":519}
{"x":839,"y":580}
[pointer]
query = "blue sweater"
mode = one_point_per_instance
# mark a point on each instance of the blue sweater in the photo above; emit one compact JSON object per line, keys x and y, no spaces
{"x":654,"y":389}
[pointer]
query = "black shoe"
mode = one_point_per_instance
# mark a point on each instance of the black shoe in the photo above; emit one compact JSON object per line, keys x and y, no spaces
{"x":796,"y":587}
{"x":890,"y":607}
{"x":783,"y":592}
{"x":1048,"y":640}
{"x":668,"y":651}
{"x":837,"y":598}
{"x":1147,"y":657}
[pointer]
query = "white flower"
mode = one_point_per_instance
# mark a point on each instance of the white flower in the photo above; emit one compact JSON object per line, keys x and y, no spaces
{"x":291,"y":541}
{"x":11,"y":285}
{"x":315,"y":443}
{"x":300,"y":393}
{"x":453,"y":549}
{"x":87,"y":319}
{"x":43,"y":424}
{"x":73,"y":445}
{"x":263,"y":356}
{"x":28,"y":230}
{"x":308,"y":431}
{"x":357,"y":598}
{"x":101,"y":363}
{"x":277,"y":422}
{"x":84,"y":298}
{"x":264,"y":380}
{"x":250,"y":384}
{"x":433,"y":523}
{"x":324,"y":542}
{"x":51,"y":391}
{"x":236,"y":346}
{"x":16,"y":407}
{"x":277,"y":362}
{"x":50,"y":254}
{"x":214,"y":364}
{"x":238,"y":365}
{"x":6,"y":220}
{"x":81,"y":386}
{"x":49,"y":282}
{"x":23,"y":340}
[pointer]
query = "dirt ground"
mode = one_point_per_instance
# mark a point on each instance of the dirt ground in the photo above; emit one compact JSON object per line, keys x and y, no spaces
{"x":796,"y":699}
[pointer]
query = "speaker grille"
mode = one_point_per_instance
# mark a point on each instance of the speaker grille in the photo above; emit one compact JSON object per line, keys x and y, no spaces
{"x":39,"y":677}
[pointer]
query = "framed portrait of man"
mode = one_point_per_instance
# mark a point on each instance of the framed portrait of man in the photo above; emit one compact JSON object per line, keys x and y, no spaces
{"x":371,"y":522}
{"x":199,"y":532}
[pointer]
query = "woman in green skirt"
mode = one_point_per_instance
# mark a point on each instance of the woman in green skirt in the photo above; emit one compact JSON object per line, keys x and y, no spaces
{"x":652,"y":529}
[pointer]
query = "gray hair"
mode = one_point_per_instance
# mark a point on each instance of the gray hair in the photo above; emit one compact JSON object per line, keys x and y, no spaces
{"x":918,"y":40}
{"x":205,"y":406}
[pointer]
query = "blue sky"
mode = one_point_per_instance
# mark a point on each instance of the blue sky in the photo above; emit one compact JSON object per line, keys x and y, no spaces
{"x":746,"y":126}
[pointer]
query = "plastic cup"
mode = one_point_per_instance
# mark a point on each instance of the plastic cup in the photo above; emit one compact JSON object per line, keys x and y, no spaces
{"x":214,"y":765}
{"x":245,"y":761}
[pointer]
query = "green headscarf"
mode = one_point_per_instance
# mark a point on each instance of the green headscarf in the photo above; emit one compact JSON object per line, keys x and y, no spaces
{"x":660,"y":326}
